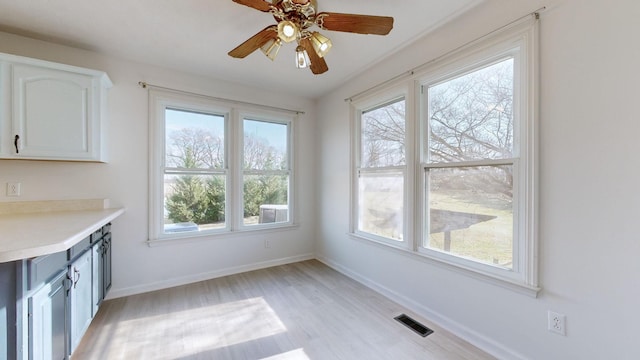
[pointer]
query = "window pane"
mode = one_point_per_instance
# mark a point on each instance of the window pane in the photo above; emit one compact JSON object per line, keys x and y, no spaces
{"x":266,"y":199}
{"x":194,"y":140}
{"x":194,"y":202}
{"x":471,"y":213}
{"x":380,"y":205}
{"x":265,"y":145}
{"x":383,"y":136}
{"x":471,"y":117}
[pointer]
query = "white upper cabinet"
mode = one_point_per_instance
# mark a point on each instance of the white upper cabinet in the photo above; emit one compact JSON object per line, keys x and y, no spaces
{"x":51,"y":111}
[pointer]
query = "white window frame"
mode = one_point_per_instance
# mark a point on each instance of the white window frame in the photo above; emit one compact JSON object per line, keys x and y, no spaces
{"x":234,"y":113}
{"x":267,"y":118}
{"x":357,"y":109}
{"x":518,"y":40}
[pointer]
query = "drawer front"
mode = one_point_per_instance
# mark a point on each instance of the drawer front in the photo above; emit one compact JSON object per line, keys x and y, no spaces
{"x":96,"y":236}
{"x":78,"y":248}
{"x":43,"y":268}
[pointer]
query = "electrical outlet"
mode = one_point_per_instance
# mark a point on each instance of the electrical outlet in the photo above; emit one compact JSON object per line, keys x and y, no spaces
{"x":13,"y":189}
{"x":267,"y":244}
{"x":557,"y":323}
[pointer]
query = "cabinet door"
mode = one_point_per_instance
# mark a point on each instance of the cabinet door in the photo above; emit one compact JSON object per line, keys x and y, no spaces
{"x":53,"y":114}
{"x":106,"y":284}
{"x":47,"y":320}
{"x":81,"y":306}
{"x":97,"y":251}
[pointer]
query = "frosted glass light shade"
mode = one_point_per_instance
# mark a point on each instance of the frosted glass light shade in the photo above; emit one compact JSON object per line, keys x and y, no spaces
{"x":321,"y":44}
{"x":271,"y":48}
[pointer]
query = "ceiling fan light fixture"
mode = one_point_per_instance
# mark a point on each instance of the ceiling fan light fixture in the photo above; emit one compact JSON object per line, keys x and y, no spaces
{"x":287,"y":31}
{"x":271,"y":48}
{"x":321,"y":44}
{"x":302,"y":58}
{"x":293,"y":20}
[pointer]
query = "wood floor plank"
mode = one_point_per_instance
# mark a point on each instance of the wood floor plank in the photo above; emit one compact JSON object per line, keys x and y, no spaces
{"x":302,"y":311}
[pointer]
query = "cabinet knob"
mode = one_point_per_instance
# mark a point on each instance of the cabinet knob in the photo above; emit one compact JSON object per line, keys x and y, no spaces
{"x":15,"y":143}
{"x":68,"y":284}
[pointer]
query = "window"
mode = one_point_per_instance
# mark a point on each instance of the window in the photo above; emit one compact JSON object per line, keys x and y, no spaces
{"x":469,"y":168}
{"x":381,"y":170}
{"x":266,"y":172}
{"x":465,"y":184}
{"x":217,"y":168}
{"x":195,"y":171}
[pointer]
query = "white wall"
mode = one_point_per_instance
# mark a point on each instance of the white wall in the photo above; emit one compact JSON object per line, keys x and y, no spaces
{"x":589,"y":128}
{"x":137,"y":267}
{"x":589,"y":203}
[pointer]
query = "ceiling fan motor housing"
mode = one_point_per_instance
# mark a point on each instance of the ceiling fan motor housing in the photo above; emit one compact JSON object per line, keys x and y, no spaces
{"x":302,"y":13}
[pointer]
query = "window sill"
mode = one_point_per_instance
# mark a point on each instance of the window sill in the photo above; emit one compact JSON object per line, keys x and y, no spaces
{"x":193,"y":237}
{"x":508,"y":284}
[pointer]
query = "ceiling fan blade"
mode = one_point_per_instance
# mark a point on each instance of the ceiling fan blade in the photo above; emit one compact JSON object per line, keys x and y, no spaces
{"x":256,"y":4}
{"x":361,"y":24}
{"x":255,"y":42}
{"x":318,"y":65}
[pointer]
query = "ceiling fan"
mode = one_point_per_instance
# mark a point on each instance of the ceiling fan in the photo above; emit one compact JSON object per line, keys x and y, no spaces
{"x":294,"y":18}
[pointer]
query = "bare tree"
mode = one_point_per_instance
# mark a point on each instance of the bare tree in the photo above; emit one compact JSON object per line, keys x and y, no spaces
{"x":260,"y":155}
{"x":384,"y":136}
{"x":471,"y":117}
{"x":203,"y":149}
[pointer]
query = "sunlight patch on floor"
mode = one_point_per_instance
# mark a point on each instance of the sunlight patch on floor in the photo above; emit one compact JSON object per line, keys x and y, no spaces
{"x":203,"y":329}
{"x":297,"y":354}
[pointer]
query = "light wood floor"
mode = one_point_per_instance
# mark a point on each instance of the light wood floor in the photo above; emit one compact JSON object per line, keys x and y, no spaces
{"x":299,"y":311}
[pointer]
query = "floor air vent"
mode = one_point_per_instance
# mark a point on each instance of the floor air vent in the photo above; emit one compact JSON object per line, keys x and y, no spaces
{"x":414,"y":325}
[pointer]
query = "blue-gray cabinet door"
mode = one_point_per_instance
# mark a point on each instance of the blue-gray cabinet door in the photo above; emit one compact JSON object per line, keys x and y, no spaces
{"x":106,"y":264}
{"x":48,"y":319}
{"x":97,"y":251}
{"x":80,"y":298}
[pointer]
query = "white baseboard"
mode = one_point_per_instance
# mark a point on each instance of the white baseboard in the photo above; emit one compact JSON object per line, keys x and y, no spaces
{"x":486,"y":344}
{"x":159,"y":285}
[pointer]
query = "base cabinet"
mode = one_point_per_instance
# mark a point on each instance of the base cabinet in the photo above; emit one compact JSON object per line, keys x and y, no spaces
{"x":60,"y":295}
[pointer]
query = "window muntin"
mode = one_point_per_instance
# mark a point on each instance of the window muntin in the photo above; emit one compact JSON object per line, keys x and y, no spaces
{"x":266,"y":172}
{"x":381,"y":171}
{"x":469,"y":171}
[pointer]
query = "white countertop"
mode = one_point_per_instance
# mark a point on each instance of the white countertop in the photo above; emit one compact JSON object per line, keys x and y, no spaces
{"x":27,"y":235}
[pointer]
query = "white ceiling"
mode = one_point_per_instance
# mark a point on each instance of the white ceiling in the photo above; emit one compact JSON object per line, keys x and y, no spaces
{"x":195,"y":35}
